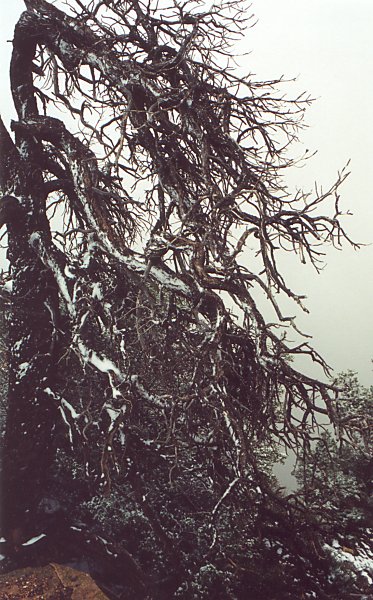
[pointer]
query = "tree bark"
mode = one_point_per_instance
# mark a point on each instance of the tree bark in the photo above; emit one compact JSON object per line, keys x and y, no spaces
{"x":34,"y":306}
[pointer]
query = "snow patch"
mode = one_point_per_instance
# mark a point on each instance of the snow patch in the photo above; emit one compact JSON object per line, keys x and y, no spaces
{"x":34,"y":540}
{"x":361,"y":561}
{"x":151,"y":398}
{"x":97,"y":292}
{"x":105,"y":365}
{"x":22,"y":369}
{"x":70,"y":408}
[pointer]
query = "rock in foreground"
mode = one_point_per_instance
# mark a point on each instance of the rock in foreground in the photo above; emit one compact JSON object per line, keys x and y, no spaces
{"x":52,"y":582}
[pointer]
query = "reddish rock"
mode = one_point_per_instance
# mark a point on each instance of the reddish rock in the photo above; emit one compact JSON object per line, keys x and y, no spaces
{"x":52,"y":582}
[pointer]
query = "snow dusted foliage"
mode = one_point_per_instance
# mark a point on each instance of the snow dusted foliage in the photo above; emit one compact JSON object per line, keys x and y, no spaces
{"x":4,"y":310}
{"x":335,"y":478}
{"x":148,"y":394}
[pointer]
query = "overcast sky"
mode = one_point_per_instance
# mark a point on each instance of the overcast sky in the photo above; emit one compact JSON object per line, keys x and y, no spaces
{"x":327,"y":45}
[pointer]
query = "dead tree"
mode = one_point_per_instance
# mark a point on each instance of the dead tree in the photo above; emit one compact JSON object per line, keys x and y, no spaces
{"x":145,"y":207}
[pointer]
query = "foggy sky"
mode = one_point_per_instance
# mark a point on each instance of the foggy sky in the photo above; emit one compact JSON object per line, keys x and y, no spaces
{"x":327,"y":45}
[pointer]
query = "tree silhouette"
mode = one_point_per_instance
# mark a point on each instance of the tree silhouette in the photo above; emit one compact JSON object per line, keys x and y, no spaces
{"x":145,"y":208}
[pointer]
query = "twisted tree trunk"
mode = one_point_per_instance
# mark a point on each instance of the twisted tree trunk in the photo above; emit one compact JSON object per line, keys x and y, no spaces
{"x":33,"y":310}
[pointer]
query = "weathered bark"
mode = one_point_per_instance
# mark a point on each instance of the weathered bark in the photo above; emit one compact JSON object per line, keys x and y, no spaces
{"x":33,"y":314}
